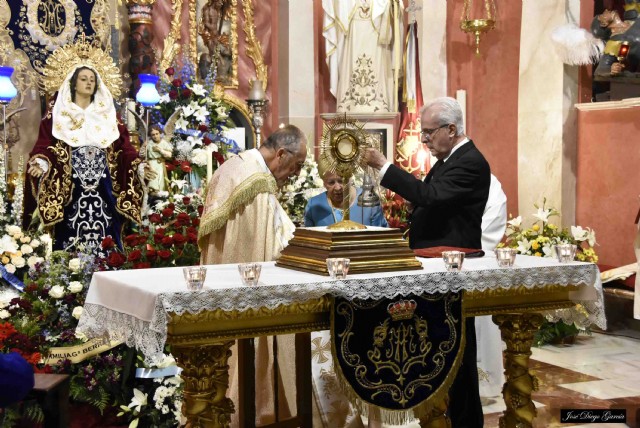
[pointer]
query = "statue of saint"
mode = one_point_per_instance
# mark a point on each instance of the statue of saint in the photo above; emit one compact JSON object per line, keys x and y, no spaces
{"x":614,"y":62}
{"x":85,"y":179}
{"x":212,"y":30}
{"x":363,"y":40}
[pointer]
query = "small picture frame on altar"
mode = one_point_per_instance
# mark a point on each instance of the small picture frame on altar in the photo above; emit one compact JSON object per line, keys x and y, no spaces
{"x":382,"y":137}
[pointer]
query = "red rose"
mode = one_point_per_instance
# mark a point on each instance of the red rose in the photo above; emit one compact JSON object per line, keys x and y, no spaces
{"x":157,"y":238}
{"x":173,"y":94}
{"x":155,"y":218}
{"x":192,"y":230}
{"x":170,"y":71}
{"x":186,"y":93}
{"x":195,"y":221}
{"x":171,"y":206}
{"x":185,"y":167}
{"x":108,"y":242}
{"x":186,"y":200}
{"x":206,"y":141}
{"x":164,"y":254}
{"x":179,"y":239}
{"x":160,"y":231}
{"x":203,"y":128}
{"x":192,"y":238}
{"x":152,"y":254}
{"x":183,"y":219}
{"x":218,"y":156}
{"x":167,"y":212}
{"x":115,"y":259}
{"x":135,"y":255}
{"x":177,"y":83}
{"x":167,"y":241}
{"x":131,"y":240}
{"x":170,"y":167}
{"x":142,"y":265}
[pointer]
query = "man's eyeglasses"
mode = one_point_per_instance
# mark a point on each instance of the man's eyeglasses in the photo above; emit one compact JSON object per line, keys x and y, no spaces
{"x":427,"y":134}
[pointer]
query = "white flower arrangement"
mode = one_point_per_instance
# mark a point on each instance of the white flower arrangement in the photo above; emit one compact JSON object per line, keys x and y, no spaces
{"x":294,"y":196}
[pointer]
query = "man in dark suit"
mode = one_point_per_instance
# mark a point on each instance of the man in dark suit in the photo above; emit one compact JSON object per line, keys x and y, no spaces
{"x":448,"y":207}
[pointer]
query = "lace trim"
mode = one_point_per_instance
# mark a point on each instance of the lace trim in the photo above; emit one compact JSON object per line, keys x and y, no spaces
{"x":150,"y":337}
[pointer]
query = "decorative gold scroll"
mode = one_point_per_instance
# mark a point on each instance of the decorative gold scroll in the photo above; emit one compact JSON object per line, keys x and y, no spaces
{"x":171,"y":45}
{"x":254,"y":48}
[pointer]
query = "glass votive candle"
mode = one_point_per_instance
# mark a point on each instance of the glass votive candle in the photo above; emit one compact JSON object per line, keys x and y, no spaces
{"x":194,"y":276}
{"x":338,"y":267}
{"x":250,"y":273}
{"x":453,"y":260}
{"x":566,"y":252}
{"x":506,"y":256}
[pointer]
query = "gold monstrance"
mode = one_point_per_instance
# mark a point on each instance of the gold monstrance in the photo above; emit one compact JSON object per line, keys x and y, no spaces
{"x":341,"y":152}
{"x":370,"y":249}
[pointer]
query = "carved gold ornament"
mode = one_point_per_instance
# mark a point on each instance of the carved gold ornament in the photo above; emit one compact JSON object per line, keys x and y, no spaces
{"x":171,"y":45}
{"x":82,"y":53}
{"x":254,"y":48}
{"x":478,"y":26}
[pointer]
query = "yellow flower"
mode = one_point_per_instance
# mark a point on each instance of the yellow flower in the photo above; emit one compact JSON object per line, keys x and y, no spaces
{"x":536,"y":228}
{"x":535,"y":245}
{"x":552,"y":226}
{"x":538,"y":254}
{"x":5,"y":260}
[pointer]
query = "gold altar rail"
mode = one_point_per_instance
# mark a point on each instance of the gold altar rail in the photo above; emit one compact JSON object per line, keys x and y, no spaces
{"x":201,"y":344}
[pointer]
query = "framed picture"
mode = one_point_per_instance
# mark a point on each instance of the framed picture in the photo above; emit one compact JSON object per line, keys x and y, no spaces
{"x":382,"y":137}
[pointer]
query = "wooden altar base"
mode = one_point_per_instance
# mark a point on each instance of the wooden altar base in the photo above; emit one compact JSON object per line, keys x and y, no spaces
{"x":370,"y":250}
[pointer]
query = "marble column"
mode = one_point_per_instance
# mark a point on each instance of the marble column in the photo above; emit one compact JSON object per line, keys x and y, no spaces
{"x":547,"y":131}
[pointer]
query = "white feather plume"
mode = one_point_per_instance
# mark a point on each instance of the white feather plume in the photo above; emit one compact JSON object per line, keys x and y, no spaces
{"x":576,"y":46}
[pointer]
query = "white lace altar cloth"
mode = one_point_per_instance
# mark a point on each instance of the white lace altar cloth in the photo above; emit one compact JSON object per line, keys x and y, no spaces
{"x":132,"y":305}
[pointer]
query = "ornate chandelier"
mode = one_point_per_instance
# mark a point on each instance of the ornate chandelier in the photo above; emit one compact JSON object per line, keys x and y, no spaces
{"x":478,"y":26}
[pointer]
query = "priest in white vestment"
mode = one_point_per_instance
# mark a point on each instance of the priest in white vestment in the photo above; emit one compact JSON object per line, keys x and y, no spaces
{"x":244,"y":222}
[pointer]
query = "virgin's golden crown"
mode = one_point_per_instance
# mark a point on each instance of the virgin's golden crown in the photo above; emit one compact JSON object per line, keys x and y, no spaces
{"x":81,"y":53}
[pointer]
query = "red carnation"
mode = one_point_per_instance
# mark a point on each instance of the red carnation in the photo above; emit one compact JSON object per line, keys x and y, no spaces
{"x":167,"y":212}
{"x":177,"y":83}
{"x":170,"y":167}
{"x":186,"y":93}
{"x":203,"y":128}
{"x":164,"y":254}
{"x":173,"y":94}
{"x":142,"y":265}
{"x":186,"y":200}
{"x":185,"y":166}
{"x":155,"y":218}
{"x":115,"y":259}
{"x":135,"y":255}
{"x":108,"y":242}
{"x":218,"y":156}
{"x":206,"y":141}
{"x":170,"y":71}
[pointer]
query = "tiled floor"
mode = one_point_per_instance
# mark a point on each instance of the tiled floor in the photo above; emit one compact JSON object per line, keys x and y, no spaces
{"x":597,"y":372}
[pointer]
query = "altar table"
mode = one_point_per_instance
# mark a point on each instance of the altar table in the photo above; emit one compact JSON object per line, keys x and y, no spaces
{"x":149,"y":308}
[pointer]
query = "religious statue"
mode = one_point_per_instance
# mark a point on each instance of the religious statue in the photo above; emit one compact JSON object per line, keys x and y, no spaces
{"x":363,"y":41}
{"x":85,"y":178}
{"x":158,"y":150}
{"x":212,"y":30}
{"x":621,"y":54}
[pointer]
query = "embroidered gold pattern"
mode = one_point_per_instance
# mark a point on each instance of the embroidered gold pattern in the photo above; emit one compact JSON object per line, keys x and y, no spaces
{"x":112,"y":163}
{"x":131,"y":208}
{"x":362,"y":88}
{"x":56,"y":186}
{"x":75,"y":123}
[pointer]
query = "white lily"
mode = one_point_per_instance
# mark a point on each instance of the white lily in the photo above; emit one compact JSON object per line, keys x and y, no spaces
{"x":194,"y":141}
{"x":524,"y":246}
{"x":182,"y":123}
{"x":8,"y":245}
{"x":178,"y":183}
{"x":201,"y":114}
{"x":515,"y":222}
{"x":222,"y":112}
{"x":542,"y":214}
{"x":198,"y":89}
{"x":164,"y":98}
{"x":138,"y":400}
{"x":188,"y":110}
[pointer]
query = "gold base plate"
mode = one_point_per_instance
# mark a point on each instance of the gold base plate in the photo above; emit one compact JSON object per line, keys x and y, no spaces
{"x":370,"y":250}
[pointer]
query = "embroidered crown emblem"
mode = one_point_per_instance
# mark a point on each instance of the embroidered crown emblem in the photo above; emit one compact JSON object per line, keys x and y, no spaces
{"x":402,"y":309}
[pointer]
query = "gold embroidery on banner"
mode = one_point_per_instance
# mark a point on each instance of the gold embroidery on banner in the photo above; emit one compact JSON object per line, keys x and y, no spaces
{"x":112,"y":163}
{"x":55,"y":186}
{"x":362,"y":88}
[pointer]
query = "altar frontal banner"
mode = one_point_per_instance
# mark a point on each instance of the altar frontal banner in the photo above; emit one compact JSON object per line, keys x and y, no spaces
{"x":79,"y":353}
{"x":400,"y":355}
